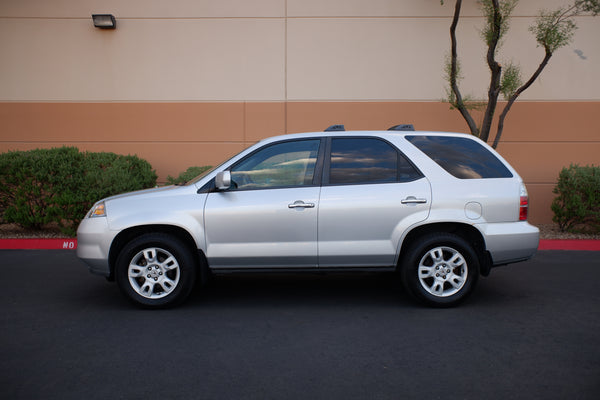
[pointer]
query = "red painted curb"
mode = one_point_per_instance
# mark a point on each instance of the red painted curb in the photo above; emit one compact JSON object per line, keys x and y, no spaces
{"x":71,"y":244}
{"x":38,"y":244}
{"x":575,"y":244}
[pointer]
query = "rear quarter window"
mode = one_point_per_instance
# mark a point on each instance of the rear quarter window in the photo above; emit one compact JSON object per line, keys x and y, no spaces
{"x":463,"y":158}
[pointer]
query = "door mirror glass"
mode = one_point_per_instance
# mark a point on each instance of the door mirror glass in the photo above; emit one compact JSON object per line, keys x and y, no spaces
{"x":223,"y":180}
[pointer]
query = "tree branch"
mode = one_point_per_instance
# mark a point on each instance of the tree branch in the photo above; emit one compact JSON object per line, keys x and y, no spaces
{"x":517,"y":93}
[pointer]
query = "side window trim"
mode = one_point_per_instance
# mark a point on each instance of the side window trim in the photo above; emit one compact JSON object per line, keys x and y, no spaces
{"x":326,"y":163}
{"x":318,"y":176}
{"x":404,"y":158}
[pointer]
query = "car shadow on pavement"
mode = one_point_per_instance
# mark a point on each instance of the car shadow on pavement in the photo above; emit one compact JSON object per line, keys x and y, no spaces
{"x":307,"y":290}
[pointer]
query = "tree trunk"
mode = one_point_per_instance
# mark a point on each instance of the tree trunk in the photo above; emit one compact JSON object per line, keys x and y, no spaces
{"x":454,"y":72}
{"x":496,"y":73}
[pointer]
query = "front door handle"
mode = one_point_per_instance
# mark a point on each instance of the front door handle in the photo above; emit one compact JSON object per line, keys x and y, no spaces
{"x":413,"y":200}
{"x":301,"y":204}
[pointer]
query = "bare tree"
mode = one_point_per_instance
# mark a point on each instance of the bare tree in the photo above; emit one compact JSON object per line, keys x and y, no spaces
{"x":552,"y":30}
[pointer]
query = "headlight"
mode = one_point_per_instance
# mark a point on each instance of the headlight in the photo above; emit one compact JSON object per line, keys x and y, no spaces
{"x":97,"y":211}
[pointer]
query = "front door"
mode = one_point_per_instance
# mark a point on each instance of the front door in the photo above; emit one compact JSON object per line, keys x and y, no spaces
{"x":268,"y":218}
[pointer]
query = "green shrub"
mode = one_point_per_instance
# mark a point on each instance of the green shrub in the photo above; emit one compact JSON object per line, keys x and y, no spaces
{"x":577,"y":206}
{"x":187,"y":175}
{"x":60,"y":185}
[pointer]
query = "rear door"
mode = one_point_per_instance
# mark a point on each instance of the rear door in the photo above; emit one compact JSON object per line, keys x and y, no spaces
{"x":371,"y":193}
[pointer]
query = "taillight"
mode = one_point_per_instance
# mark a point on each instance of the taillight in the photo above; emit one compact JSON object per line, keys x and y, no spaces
{"x":523,"y":203}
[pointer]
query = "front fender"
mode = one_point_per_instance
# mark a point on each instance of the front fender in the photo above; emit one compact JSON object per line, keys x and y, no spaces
{"x":185,"y":212}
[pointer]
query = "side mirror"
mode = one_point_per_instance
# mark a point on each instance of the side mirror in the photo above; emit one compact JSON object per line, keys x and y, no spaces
{"x":223,"y":180}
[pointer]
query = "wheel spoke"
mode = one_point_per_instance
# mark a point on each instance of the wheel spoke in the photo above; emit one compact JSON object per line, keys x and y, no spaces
{"x":135,"y":271}
{"x":168,"y":284}
{"x":170,"y":263}
{"x":437,"y":254}
{"x":456,"y":260}
{"x":147,"y":288}
{"x":438,"y":287}
{"x":425,"y":271}
{"x":456,"y":281}
{"x":150,"y":255}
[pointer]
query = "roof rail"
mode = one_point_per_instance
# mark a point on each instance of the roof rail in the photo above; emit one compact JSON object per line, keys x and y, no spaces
{"x":334,"y":128}
{"x":402,"y":127}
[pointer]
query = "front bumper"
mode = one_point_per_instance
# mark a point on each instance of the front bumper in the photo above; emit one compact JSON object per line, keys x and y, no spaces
{"x":93,"y":244}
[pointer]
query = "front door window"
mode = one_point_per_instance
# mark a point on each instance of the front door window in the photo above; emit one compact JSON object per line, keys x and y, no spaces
{"x":288,"y":164}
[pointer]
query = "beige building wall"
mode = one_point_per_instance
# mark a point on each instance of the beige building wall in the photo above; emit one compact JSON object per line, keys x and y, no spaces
{"x":267,"y":50}
{"x":191,"y":82}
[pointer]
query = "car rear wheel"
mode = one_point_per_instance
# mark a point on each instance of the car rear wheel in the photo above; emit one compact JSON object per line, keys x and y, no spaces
{"x":440,"y":269}
{"x":156,"y":270}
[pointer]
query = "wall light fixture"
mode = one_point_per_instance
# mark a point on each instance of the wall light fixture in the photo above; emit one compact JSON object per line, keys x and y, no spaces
{"x":104,"y":21}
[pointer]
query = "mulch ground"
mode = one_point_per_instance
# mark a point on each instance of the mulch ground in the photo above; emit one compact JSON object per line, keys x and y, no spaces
{"x":14,"y":231}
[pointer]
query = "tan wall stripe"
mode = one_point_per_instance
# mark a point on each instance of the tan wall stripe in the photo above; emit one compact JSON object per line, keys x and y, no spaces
{"x":540,"y":137}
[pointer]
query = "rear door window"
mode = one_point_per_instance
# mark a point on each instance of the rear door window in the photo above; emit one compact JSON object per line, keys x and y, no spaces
{"x":463,"y":158}
{"x":367,"y":161}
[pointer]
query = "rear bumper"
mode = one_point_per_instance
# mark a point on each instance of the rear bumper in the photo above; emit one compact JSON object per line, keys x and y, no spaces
{"x":510,"y":242}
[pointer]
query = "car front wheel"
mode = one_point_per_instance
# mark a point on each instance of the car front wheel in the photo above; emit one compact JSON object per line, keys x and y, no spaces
{"x":440,"y":269}
{"x":156,"y":270}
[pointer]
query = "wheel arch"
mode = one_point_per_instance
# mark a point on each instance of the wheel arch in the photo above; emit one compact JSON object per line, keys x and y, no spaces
{"x":181,"y":234}
{"x":466,"y":231}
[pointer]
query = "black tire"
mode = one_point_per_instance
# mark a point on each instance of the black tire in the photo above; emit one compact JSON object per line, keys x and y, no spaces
{"x":440,"y":269}
{"x":156,"y":270}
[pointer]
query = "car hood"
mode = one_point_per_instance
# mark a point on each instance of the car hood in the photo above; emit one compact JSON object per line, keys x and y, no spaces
{"x":145,"y":192}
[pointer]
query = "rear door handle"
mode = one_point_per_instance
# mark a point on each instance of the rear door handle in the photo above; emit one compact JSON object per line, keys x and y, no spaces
{"x":301,"y":204}
{"x":413,"y":200}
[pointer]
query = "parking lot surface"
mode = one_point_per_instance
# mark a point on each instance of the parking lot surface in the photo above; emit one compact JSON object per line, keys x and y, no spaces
{"x":530,"y":330}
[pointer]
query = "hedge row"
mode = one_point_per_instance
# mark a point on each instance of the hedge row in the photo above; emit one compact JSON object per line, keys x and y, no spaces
{"x":577,"y":204}
{"x":187,"y":175}
{"x":59,"y":185}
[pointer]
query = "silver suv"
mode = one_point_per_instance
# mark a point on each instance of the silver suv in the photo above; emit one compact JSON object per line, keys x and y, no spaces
{"x":438,"y":208}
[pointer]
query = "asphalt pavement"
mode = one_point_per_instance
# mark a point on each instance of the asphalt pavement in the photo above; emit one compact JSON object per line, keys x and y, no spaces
{"x":530,"y":330}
